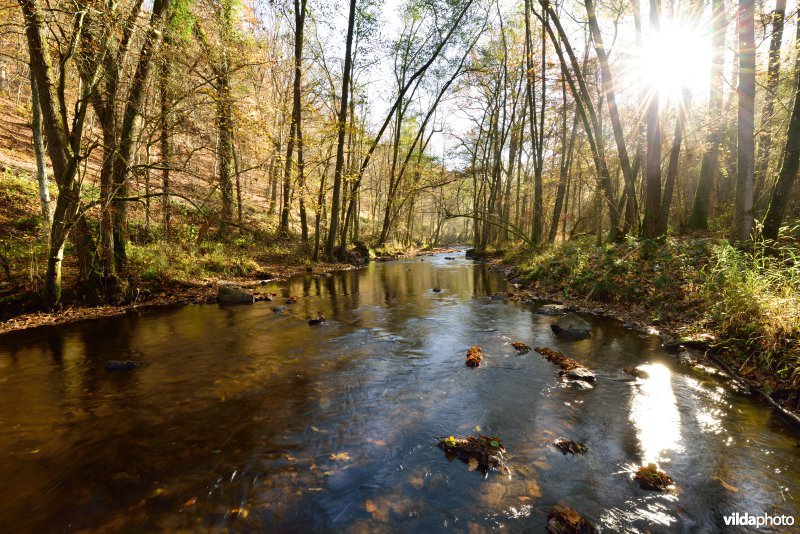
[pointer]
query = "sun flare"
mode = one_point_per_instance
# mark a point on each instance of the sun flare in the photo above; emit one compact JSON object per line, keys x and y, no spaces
{"x":674,"y":59}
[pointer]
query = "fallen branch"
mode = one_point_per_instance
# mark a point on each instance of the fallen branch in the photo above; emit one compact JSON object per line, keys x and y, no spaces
{"x":753,"y":388}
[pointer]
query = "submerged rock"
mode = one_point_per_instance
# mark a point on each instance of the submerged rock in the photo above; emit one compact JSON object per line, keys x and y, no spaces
{"x":521,"y":347}
{"x":571,"y":325}
{"x":636,"y":373}
{"x":579,"y":385}
{"x":278,"y":309}
{"x":231,"y":294}
{"x":498,"y":296}
{"x":449,"y":258}
{"x":563,"y":520}
{"x":437,"y":290}
{"x":318,"y":320}
{"x":291,"y":300}
{"x":474,"y":356}
{"x":482,"y":452}
{"x":569,"y":446}
{"x":552,"y":309}
{"x":121,"y":365}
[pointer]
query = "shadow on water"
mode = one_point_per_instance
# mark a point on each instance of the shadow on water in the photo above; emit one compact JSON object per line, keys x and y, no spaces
{"x":244,"y":419}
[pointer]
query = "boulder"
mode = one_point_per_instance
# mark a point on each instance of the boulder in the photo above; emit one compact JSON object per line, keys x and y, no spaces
{"x":552,"y":309}
{"x":571,"y":325}
{"x":231,"y":294}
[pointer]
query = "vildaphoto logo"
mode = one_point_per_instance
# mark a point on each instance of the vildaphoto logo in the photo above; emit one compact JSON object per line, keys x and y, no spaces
{"x":738,"y":519}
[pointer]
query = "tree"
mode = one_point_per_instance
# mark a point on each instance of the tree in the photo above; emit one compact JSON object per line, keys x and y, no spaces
{"x":652,"y":204}
{"x":333,"y":229}
{"x":698,"y":219}
{"x":779,"y":197}
{"x":746,"y":126}
{"x":63,"y":136}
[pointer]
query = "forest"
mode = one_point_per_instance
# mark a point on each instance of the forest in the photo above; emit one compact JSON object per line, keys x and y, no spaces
{"x":149,"y":147}
{"x":407,"y":180}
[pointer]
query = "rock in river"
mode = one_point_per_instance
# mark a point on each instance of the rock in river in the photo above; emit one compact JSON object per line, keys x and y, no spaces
{"x":580,"y":373}
{"x":571,"y":325}
{"x":231,"y":294}
{"x":563,"y":520}
{"x":552,"y":309}
{"x":120,"y":365}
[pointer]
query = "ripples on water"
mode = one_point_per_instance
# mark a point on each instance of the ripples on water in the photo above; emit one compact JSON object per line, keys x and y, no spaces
{"x":243,"y":419}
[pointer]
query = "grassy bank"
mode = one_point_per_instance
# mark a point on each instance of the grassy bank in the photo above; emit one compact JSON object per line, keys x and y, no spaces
{"x":746,"y":300}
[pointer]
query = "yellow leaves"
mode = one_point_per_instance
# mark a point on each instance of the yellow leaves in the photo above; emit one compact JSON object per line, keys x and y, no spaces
{"x":340,"y":457}
{"x":451,"y":441}
{"x":370,"y":507}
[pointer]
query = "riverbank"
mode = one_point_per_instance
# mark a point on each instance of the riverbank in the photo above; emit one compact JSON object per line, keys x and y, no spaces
{"x":166,"y":293}
{"x":738,"y":307}
{"x":174,"y":285}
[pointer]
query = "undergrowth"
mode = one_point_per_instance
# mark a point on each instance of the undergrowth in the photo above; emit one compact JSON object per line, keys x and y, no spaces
{"x":749,"y":297}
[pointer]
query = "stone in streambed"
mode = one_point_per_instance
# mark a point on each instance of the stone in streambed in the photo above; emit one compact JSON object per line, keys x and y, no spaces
{"x":552,"y":309}
{"x":231,"y":294}
{"x":571,"y":325}
{"x":120,"y":365}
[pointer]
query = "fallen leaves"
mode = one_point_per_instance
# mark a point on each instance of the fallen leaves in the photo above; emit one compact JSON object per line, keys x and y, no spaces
{"x":566,"y":364}
{"x":482,"y":452}
{"x":651,"y":478}
{"x":340,"y":457}
{"x":564,"y":520}
{"x":474,"y":356}
{"x":568,"y":446}
{"x":521,"y":347}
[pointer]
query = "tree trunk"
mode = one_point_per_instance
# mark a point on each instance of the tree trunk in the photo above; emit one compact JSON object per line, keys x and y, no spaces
{"x":342,"y":119}
{"x":701,"y":206}
{"x":166,"y":155}
{"x":773,"y":76}
{"x":746,"y":115}
{"x":613,"y":112}
{"x":41,"y":166}
{"x":652,"y":207}
{"x":129,"y":130}
{"x":779,"y":198}
{"x":672,"y":167}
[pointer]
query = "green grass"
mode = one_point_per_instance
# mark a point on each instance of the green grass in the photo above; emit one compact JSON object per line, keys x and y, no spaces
{"x":754,"y":300}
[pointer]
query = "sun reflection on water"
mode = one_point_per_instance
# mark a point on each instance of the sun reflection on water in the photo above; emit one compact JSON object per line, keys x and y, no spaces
{"x":654,"y":413}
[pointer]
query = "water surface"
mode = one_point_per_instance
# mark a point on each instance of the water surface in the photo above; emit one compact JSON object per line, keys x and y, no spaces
{"x":242,"y":419}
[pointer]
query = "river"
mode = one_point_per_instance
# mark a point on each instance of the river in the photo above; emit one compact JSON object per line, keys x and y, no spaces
{"x":242,"y":419}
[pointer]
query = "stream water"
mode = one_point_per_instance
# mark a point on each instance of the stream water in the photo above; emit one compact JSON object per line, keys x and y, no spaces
{"x":242,"y":419}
